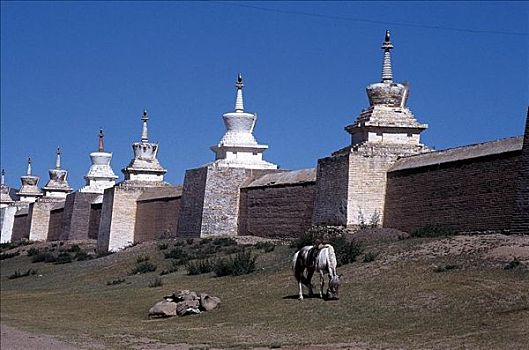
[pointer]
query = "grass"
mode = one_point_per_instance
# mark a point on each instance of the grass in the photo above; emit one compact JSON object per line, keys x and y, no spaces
{"x":392,"y":302}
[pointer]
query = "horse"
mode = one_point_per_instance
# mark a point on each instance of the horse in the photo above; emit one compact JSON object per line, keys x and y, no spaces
{"x":321,"y":259}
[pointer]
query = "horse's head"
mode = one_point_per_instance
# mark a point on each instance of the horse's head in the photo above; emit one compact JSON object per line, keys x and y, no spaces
{"x":334,"y":286}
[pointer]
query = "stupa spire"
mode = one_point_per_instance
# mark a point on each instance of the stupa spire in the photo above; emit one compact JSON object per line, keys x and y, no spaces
{"x":101,"y":147}
{"x":3,"y":177}
{"x":58,"y":158}
{"x":387,"y":74}
{"x":28,"y":172}
{"x":144,"y":132}
{"x":239,"y":102}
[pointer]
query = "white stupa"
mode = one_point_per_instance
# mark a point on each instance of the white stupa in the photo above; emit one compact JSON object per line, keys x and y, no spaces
{"x":100,"y":175}
{"x":5,"y":193}
{"x":29,"y":191}
{"x":144,"y":167}
{"x":57,"y":187}
{"x":238,"y":147}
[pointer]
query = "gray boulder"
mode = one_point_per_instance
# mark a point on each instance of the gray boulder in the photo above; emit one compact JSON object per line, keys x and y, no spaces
{"x":163,"y":308}
{"x":208,"y":302}
{"x":182,"y":295}
{"x":188,"y":307}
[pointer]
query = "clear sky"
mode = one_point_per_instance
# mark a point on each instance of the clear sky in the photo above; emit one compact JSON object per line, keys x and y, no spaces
{"x":69,"y":68}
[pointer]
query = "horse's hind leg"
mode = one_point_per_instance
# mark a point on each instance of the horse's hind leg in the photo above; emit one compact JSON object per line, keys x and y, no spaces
{"x":310,"y":272}
{"x":322,"y":284}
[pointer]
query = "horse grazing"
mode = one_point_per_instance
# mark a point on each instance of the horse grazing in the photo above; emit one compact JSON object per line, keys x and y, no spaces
{"x":319,"y":259}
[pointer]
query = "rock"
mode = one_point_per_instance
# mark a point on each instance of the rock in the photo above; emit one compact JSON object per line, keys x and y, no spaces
{"x":182,"y":295}
{"x":207,"y":302}
{"x":163,"y":309}
{"x":187,"y":307}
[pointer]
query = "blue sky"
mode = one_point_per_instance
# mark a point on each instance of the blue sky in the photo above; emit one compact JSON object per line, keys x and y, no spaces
{"x":69,"y":68}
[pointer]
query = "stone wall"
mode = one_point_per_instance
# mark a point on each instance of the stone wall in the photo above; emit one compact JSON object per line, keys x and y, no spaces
{"x":468,"y":189}
{"x":21,"y":225}
{"x":39,"y":220}
{"x":330,"y":203}
{"x":520,"y":222}
{"x":95,"y":218}
{"x":278,"y":209}
{"x":7,"y":219}
{"x":118,"y":217}
{"x":192,"y":203}
{"x":77,"y":215}
{"x":157,"y":213}
{"x":56,"y":223}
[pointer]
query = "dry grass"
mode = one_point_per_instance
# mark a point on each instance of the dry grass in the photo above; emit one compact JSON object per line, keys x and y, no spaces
{"x":398,"y":300}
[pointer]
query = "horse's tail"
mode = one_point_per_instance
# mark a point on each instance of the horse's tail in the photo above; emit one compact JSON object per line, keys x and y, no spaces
{"x":296,"y":268}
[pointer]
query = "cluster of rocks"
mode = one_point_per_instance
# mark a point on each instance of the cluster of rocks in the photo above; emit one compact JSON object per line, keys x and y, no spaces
{"x":184,"y":302}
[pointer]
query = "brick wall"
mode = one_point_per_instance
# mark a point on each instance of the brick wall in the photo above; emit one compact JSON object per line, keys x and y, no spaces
{"x":276,"y":211}
{"x":474,"y":194}
{"x":192,"y":203}
{"x":95,"y":217}
{"x":56,"y":223}
{"x":77,"y":215}
{"x":156,"y":218}
{"x":39,"y":220}
{"x":520,"y":222}
{"x":21,"y":226}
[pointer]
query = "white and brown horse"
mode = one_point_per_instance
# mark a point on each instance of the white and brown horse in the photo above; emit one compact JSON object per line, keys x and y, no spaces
{"x":320,"y":259}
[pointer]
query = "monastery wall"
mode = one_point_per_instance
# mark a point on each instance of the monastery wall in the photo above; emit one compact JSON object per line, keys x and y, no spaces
{"x":278,"y":205}
{"x":192,"y":202}
{"x":56,"y":223}
{"x":39,"y":220}
{"x":520,"y":222}
{"x":468,"y":189}
{"x":21,"y":225}
{"x":7,"y":219}
{"x":157,"y":213}
{"x":95,"y":217}
{"x":77,"y":215}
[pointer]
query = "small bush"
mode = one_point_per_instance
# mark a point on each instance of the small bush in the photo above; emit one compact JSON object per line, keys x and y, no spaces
{"x":242,"y":264}
{"x":432,"y":231}
{"x":4,"y":256}
{"x":18,"y":274}
{"x":267,"y":247}
{"x":61,"y":243}
{"x":172,"y":268}
{"x":144,"y":267}
{"x":33,"y":251}
{"x":224,"y":241}
{"x":179,"y":243}
{"x":175,"y":253}
{"x":163,"y":246}
{"x":205,"y":241}
{"x":370,"y":256}
{"x":43,"y":257}
{"x":114,"y":282}
{"x":74,"y":249}
{"x":233,"y":249}
{"x":514,"y":263}
{"x":142,"y":258}
{"x":189,"y":241}
{"x":157,"y":282}
{"x":447,"y":267}
{"x":82,"y":256}
{"x":63,"y":258}
{"x":197,"y":267}
{"x":103,"y":254}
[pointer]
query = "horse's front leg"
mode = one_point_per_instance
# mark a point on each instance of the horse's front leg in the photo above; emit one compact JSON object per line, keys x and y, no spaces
{"x":300,"y":290}
{"x":310,"y":272}
{"x":322,"y":284}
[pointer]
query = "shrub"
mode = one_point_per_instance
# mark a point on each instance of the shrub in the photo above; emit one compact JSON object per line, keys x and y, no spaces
{"x":103,"y":254}
{"x":43,"y":257}
{"x":243,"y":263}
{"x":63,"y":258}
{"x":33,"y":251}
{"x":205,"y":241}
{"x":11,"y":245}
{"x":4,"y":256}
{"x":267,"y":247}
{"x":445,"y":268}
{"x":172,"y":268}
{"x":143,"y":267}
{"x":114,"y":282}
{"x":432,"y":231}
{"x":514,"y":263}
{"x":175,"y":253}
{"x":224,"y":241}
{"x":18,"y":274}
{"x":82,"y":255}
{"x":197,"y":267}
{"x":61,"y":243}
{"x":142,"y":258}
{"x":163,"y":246}
{"x":74,"y":249}
{"x":180,"y":243}
{"x":370,"y":256}
{"x":157,"y":282}
{"x":233,"y":249}
{"x":189,"y":241}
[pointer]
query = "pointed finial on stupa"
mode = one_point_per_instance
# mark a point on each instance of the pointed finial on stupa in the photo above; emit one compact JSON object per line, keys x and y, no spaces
{"x":387,"y":74}
{"x":28,"y":172}
{"x":144,"y":133}
{"x":101,"y":147}
{"x":58,"y":158}
{"x":239,"y":102}
{"x":3,"y":177}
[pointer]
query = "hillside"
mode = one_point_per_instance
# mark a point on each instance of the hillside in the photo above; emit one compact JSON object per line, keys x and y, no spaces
{"x":446,"y":293}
